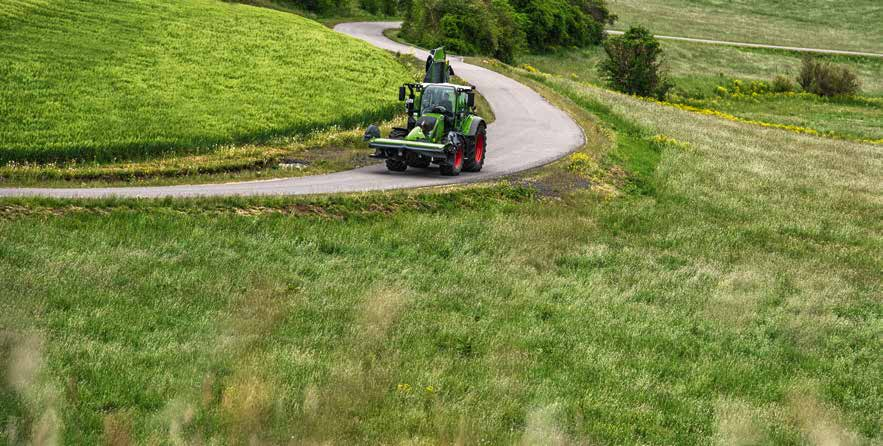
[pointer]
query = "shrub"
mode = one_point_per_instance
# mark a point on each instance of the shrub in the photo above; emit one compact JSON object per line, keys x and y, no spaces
{"x":501,"y":28}
{"x":378,"y":7}
{"x":827,"y":79}
{"x":782,"y":84}
{"x":564,"y":23}
{"x":466,"y":27}
{"x":634,"y":64}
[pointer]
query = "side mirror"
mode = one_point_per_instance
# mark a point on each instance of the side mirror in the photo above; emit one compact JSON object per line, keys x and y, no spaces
{"x":402,"y":93}
{"x":470,"y":99}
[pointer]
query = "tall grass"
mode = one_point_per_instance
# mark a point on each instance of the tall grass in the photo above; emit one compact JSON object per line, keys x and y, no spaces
{"x":117,"y":80}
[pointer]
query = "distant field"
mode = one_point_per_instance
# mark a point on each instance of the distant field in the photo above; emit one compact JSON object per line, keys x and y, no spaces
{"x":853,"y":25}
{"x":697,"y":69}
{"x":129,"y":80}
{"x":696,"y":63}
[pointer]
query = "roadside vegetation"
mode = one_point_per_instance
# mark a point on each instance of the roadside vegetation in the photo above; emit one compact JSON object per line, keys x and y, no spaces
{"x":176,"y":78}
{"x":706,"y":281}
{"x":504,"y":29}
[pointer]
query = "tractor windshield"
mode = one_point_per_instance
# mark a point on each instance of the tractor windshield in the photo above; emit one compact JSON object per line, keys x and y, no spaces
{"x":437,"y":95}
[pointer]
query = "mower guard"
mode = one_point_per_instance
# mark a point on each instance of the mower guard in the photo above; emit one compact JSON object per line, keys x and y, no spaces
{"x":395,"y":147}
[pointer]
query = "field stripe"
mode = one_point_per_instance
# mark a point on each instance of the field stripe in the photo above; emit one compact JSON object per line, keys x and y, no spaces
{"x":760,"y":45}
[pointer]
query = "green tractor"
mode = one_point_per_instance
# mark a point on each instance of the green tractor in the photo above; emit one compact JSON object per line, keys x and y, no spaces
{"x":442,"y":129}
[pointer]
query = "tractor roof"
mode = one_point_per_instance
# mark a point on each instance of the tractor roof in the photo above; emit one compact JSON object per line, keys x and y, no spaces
{"x":458,"y":87}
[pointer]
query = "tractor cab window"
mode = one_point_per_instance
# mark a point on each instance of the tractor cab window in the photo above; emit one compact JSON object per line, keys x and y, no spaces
{"x":436,"y":95}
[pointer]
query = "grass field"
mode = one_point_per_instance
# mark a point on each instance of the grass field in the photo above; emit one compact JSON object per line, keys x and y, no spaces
{"x":696,"y":84}
{"x":115,"y":80}
{"x":810,"y":23}
{"x":328,"y":150}
{"x":696,"y":66}
{"x":733,"y":297}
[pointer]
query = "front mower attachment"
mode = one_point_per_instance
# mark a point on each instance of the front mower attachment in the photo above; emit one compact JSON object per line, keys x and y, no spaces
{"x":391,"y":148}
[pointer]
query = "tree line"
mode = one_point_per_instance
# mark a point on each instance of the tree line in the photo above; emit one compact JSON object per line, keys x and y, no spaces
{"x":498,"y":28}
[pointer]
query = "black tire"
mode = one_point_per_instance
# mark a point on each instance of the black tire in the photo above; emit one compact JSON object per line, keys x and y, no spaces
{"x":477,"y":151}
{"x":396,"y":165}
{"x":453,"y":167}
{"x":392,"y":164}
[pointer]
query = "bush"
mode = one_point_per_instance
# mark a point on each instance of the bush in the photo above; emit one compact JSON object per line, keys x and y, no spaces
{"x":634,"y":64}
{"x":782,"y":84}
{"x":466,"y":27}
{"x":564,"y":23}
{"x":827,"y":79}
{"x":501,"y":29}
{"x":380,"y":7}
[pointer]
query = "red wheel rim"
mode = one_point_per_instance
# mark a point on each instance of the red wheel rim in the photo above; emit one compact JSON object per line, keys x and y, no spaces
{"x":479,"y":148}
{"x":458,"y":158}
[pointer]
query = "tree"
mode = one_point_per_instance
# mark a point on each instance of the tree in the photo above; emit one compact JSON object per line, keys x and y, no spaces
{"x":502,"y":28}
{"x":634,"y":64}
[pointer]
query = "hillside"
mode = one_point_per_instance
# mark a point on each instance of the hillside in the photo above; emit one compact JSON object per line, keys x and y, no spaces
{"x":103,"y":80}
{"x":851,"y":25}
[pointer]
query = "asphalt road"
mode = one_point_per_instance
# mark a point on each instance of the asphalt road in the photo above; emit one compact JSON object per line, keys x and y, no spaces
{"x":528,"y":132}
{"x":761,"y":45}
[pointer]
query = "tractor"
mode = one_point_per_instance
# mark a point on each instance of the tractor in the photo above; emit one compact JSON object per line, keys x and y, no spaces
{"x":442,"y":127}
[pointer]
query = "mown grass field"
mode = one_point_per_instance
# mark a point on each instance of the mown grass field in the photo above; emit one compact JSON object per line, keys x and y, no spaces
{"x":114,"y":80}
{"x":729,"y":293}
{"x":811,"y":23}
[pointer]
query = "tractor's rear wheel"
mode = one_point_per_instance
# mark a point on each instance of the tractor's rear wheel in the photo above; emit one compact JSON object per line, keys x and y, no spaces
{"x":396,"y":165}
{"x":455,"y":165}
{"x":478,"y":151}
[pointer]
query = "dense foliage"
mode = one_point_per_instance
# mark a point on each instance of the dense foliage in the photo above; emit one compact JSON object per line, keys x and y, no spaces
{"x":563,"y":23}
{"x":138,"y":79}
{"x":634,"y":64}
{"x":501,"y":28}
{"x":827,"y":79}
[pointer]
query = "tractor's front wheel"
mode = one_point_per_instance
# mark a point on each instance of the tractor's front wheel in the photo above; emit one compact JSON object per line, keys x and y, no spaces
{"x":478,"y":152}
{"x":455,"y":164}
{"x":396,"y":165}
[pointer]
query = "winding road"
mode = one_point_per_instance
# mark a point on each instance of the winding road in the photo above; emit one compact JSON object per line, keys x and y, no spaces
{"x":528,"y":132}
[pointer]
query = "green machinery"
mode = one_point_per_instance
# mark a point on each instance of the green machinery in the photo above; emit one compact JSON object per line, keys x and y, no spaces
{"x":442,"y":127}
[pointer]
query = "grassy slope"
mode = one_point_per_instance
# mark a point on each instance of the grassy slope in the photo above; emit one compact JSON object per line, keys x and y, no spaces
{"x":845,"y":26}
{"x":719,"y":65}
{"x":714,"y":61}
{"x":738,"y":298}
{"x":139,"y":78}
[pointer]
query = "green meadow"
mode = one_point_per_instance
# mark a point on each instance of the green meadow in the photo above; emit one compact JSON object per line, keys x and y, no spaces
{"x":853,"y":25}
{"x":112,"y":80}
